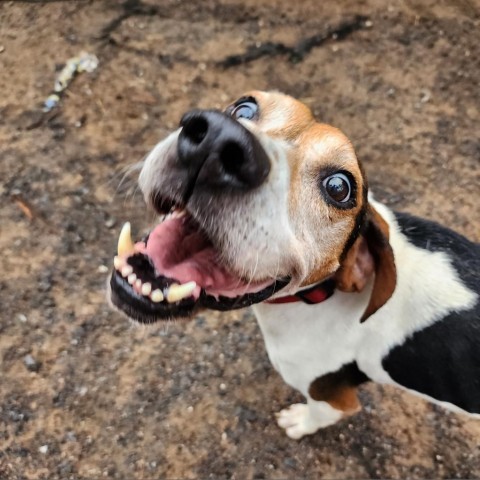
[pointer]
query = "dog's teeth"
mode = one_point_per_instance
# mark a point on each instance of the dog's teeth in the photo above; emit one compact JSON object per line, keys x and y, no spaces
{"x":146,"y":289}
{"x":156,"y":296}
{"x":138,"y":284}
{"x":118,"y":262}
{"x":126,"y":270}
{"x":178,"y":292}
{"x":125,"y":243}
{"x":131,"y":278}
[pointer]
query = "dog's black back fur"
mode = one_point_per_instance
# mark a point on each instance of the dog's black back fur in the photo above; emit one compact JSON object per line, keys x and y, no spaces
{"x":443,"y":360}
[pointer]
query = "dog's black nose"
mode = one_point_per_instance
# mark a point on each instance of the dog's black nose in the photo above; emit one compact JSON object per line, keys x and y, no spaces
{"x":220,"y":151}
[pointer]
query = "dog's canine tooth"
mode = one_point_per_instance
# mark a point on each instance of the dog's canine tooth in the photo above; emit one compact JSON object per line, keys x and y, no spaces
{"x":126,"y":270}
{"x":118,"y":262}
{"x":156,"y":296}
{"x":131,"y":278}
{"x":125,"y":243}
{"x":146,"y":289}
{"x":178,"y":292}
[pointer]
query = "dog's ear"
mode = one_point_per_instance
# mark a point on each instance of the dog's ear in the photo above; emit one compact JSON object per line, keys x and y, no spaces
{"x":370,"y":253}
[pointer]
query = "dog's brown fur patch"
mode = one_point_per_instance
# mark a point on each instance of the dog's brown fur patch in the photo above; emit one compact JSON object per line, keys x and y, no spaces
{"x":339,"y":388}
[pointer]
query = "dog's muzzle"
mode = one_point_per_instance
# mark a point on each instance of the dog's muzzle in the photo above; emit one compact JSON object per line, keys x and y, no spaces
{"x":180,"y":266}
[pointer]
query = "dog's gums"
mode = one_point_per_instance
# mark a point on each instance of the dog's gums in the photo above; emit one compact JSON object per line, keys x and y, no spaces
{"x":175,"y":270}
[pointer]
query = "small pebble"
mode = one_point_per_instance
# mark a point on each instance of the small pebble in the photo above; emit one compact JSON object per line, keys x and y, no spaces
{"x":103,"y":269}
{"x":2,"y":48}
{"x":425,"y":95}
{"x":82,"y":391}
{"x":43,"y":449}
{"x":31,"y":364}
{"x":290,"y":463}
{"x":110,"y":222}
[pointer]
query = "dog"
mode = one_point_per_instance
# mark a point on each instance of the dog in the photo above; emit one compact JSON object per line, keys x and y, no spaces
{"x":264,"y":206}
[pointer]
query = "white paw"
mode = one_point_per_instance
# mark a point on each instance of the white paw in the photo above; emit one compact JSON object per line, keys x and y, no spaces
{"x":296,"y":421}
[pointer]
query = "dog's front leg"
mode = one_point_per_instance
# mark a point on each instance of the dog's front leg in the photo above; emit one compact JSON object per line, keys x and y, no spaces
{"x":328,"y":401}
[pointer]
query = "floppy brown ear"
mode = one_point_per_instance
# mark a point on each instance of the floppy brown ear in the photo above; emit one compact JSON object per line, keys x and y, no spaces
{"x":370,"y":253}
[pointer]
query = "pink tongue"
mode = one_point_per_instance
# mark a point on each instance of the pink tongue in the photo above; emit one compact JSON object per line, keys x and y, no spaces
{"x":184,"y":254}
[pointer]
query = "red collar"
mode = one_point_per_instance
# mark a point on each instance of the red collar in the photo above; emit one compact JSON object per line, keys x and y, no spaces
{"x":316,"y":294}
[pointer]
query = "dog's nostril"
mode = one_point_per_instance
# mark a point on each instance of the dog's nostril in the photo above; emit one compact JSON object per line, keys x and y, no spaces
{"x":217,"y":151}
{"x":196,"y":129}
{"x":232,"y":157}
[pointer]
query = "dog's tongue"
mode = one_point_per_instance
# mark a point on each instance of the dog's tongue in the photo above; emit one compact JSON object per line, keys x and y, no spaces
{"x":183,"y":253}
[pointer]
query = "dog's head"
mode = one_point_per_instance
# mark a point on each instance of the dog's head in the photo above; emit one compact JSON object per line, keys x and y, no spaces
{"x":257,"y":199}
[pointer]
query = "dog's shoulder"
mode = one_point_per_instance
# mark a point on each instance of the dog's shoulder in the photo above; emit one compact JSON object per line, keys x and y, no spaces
{"x":428,"y":235}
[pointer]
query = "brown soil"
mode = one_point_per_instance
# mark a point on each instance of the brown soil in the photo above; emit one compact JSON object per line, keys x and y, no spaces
{"x":104,"y":399}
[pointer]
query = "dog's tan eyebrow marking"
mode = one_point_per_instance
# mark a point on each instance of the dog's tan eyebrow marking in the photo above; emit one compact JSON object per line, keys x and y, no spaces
{"x":282,"y":116}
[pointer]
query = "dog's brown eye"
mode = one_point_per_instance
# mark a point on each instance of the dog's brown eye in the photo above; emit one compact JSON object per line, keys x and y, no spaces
{"x":247,"y":109}
{"x":338,"y":187}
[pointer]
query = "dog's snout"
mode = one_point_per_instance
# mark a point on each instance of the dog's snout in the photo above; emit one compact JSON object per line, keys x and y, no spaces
{"x":220,"y":151}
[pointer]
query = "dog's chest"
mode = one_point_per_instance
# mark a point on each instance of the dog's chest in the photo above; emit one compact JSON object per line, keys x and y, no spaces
{"x":306,"y":341}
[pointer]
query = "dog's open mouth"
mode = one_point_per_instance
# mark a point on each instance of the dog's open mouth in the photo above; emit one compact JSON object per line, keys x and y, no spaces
{"x":177,"y":270}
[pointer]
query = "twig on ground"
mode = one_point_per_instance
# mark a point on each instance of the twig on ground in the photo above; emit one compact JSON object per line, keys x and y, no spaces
{"x":297,"y":52}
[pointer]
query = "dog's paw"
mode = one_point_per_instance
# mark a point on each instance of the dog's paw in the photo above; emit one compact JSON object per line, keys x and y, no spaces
{"x":296,"y":421}
{"x":304,"y":419}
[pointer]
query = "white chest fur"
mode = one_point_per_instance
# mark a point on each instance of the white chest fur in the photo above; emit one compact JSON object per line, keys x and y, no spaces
{"x":306,"y":341}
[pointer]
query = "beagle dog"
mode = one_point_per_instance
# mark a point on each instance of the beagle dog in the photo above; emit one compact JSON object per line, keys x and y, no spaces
{"x":264,"y":206}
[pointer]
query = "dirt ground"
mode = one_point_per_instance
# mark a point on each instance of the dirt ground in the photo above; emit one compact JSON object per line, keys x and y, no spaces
{"x":86,"y":395}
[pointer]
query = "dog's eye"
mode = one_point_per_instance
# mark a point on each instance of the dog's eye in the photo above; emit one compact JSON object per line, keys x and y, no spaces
{"x":247,"y":109}
{"x":338,"y":187}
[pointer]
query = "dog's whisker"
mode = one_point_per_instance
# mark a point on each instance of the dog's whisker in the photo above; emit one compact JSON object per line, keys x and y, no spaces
{"x":252,"y":276}
{"x":125,"y":173}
